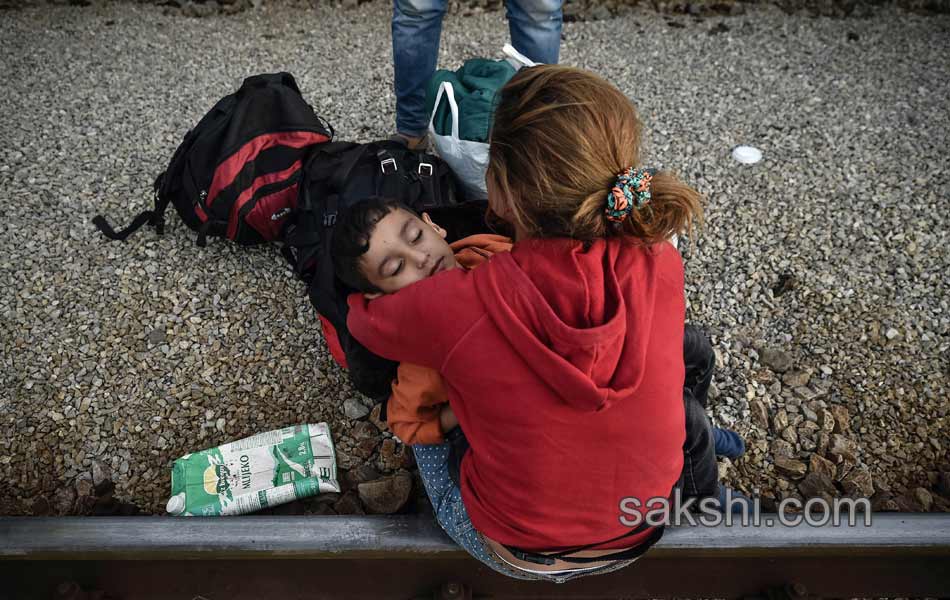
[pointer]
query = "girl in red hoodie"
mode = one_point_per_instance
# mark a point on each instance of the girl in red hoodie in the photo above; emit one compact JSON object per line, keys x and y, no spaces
{"x":563,"y":359}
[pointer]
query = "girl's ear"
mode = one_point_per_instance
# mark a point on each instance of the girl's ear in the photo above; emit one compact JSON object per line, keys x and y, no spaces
{"x":372,"y":295}
{"x":428,"y":221}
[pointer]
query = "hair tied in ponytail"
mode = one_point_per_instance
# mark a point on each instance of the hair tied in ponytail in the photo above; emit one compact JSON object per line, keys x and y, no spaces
{"x":631,"y":190}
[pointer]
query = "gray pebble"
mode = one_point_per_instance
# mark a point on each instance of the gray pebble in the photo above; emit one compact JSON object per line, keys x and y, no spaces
{"x":775,"y":359}
{"x":354,"y":409}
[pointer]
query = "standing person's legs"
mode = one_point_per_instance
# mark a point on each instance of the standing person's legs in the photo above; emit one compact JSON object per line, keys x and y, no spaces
{"x":535,"y":27}
{"x":417,"y":28}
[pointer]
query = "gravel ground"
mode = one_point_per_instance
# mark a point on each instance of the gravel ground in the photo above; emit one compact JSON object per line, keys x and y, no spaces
{"x":820,"y":274}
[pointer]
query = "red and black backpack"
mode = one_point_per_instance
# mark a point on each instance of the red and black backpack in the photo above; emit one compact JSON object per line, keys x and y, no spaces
{"x":236,"y":173}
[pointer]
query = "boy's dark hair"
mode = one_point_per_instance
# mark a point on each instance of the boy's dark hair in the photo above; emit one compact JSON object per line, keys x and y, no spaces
{"x":354,"y":227}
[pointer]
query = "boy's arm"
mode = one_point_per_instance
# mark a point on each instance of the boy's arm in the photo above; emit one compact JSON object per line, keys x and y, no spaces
{"x":418,"y":324}
{"x":418,"y":396}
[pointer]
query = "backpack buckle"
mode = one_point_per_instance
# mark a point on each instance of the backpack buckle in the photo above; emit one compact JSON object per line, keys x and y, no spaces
{"x":329,"y":220}
{"x":388,"y":162}
{"x":426,"y":169}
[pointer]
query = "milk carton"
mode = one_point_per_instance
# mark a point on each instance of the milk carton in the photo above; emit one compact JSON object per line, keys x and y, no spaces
{"x":263,"y":470}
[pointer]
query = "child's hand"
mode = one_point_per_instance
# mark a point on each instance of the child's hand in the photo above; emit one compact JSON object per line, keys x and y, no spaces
{"x":447,"y":420}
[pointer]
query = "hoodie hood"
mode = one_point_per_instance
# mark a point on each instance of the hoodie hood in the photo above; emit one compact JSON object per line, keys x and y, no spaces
{"x":581,"y":319}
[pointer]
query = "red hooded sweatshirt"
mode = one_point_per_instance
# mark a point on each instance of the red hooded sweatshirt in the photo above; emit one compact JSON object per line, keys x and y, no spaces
{"x":565,"y":370}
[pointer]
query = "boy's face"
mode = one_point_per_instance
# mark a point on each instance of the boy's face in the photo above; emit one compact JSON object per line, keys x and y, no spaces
{"x":405,"y":249}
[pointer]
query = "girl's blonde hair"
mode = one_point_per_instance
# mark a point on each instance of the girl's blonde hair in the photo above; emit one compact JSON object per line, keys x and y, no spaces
{"x":560,"y":138}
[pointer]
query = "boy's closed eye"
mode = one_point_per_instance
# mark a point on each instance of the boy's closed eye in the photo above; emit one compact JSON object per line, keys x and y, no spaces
{"x":394,"y":264}
{"x":398,"y":267}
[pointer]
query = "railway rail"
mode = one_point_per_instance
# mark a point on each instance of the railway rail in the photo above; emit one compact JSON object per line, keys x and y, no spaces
{"x":407,"y":557}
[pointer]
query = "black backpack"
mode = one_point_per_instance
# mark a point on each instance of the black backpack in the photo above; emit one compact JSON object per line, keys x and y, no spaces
{"x":340,"y":174}
{"x":236,"y":173}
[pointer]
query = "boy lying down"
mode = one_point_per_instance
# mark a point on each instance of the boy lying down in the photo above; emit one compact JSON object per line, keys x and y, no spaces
{"x":379,"y":247}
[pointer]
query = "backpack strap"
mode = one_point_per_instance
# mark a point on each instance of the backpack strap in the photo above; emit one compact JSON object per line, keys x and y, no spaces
{"x":389,"y":183}
{"x":155,"y":217}
{"x":102,"y":225}
{"x":289,"y":256}
{"x":202,"y":240}
{"x":338,"y":175}
{"x":431,"y":172}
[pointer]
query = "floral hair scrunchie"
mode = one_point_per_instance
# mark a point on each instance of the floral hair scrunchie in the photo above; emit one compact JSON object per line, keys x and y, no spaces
{"x":631,"y":190}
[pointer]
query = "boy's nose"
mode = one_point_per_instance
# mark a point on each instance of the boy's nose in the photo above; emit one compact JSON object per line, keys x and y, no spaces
{"x":421,"y":258}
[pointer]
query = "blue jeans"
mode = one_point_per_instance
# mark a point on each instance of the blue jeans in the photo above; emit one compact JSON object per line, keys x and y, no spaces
{"x":446,"y":498}
{"x":535,"y":27}
{"x":700,"y":477}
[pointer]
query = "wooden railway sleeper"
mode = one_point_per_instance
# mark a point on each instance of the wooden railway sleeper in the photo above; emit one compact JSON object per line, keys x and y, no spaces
{"x":789,"y":591}
{"x":453,"y":590}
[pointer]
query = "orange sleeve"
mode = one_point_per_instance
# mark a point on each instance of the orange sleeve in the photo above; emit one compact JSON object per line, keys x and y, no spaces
{"x":417,"y":398}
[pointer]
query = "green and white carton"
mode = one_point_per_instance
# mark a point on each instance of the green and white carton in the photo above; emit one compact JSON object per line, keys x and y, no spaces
{"x":263,"y":470}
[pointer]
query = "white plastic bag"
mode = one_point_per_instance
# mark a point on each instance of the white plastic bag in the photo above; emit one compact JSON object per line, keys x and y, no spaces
{"x":517,"y":59}
{"x":467,"y":160}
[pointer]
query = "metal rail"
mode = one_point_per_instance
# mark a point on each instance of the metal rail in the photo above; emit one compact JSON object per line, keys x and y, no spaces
{"x":408,"y":556}
{"x":165,"y":538}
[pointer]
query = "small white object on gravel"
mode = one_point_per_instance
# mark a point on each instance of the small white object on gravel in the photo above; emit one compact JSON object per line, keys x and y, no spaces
{"x":747,"y":155}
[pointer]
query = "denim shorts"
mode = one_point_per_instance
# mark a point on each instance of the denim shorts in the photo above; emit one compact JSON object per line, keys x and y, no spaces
{"x":446,"y":498}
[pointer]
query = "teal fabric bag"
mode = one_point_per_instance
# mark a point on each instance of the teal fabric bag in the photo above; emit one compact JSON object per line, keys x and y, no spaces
{"x":475,"y":85}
